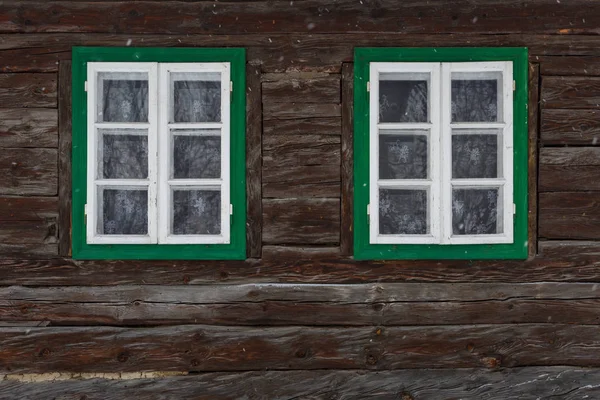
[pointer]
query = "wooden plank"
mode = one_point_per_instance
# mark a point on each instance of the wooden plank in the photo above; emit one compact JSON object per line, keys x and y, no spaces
{"x":25,"y":232}
{"x":581,"y":156}
{"x":301,"y":181}
{"x":532,"y":181}
{"x":28,"y":208}
{"x":282,"y":151}
{"x":570,"y":92}
{"x":213,"y":348}
{"x":315,"y":90}
{"x":569,"y":66}
{"x":569,"y":215}
{"x":310,"y":16}
{"x":28,"y":250}
{"x":303,"y":126}
{"x":300,"y":110}
{"x":253,"y":161}
{"x":301,"y":221}
{"x":569,"y":169}
{"x":64,"y":158}
{"x":347,"y":162}
{"x":28,"y":128}
{"x":557,"y":249}
{"x":570,"y":127}
{"x":28,"y":90}
{"x":28,"y":171}
{"x":384,"y":304}
{"x":279,"y":253}
{"x":433,"y":384}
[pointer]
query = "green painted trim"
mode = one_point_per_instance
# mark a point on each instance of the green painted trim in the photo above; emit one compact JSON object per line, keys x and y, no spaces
{"x":363,"y":250}
{"x":236,"y":250}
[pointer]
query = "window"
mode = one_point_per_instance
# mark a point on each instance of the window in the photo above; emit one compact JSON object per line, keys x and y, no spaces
{"x":440,"y":153}
{"x":158,"y":153}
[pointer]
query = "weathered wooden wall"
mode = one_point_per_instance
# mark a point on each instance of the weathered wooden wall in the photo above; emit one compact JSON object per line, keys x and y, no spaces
{"x":407,"y":330}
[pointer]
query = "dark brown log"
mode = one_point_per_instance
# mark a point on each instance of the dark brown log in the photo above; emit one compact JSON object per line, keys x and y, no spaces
{"x":582,"y":156}
{"x":28,"y":128}
{"x":28,"y":208}
{"x":28,"y":250}
{"x":253,"y":161}
{"x":64,"y":158}
{"x":533,"y":124}
{"x":312,"y":16}
{"x":305,"y":126}
{"x":28,"y":171}
{"x":572,"y":127}
{"x":570,"y":92}
{"x":432,"y":384}
{"x":569,"y":66}
{"x":557,"y":249}
{"x":570,"y":169}
{"x":301,"y":181}
{"x":282,"y":151}
{"x":316,"y":90}
{"x":275,"y":253}
{"x":212,"y":348}
{"x":25,"y":232}
{"x":569,"y":215}
{"x":300,"y":110}
{"x":28,"y":90}
{"x":301,"y":221}
{"x":347,"y":162}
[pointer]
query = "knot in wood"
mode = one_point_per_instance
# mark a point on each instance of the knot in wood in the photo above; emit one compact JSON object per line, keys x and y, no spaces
{"x":186,"y":279}
{"x":122,"y":357}
{"x":224,"y":274}
{"x":45,"y":352}
{"x":379,"y":331}
{"x":406,"y":396}
{"x":470,"y":347}
{"x":194,"y":363}
{"x":301,"y":353}
{"x":371,"y":359}
{"x":377,"y":307}
{"x":491,"y":362}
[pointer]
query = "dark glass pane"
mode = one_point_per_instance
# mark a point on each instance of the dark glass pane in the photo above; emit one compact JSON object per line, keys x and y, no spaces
{"x":402,"y":156}
{"x":124,"y":156}
{"x":197,"y":157}
{"x":474,"y":211}
{"x":196,"y":212}
{"x":124,"y":212}
{"x":403,"y":101}
{"x":124,"y":100}
{"x":196,"y":100}
{"x":403,"y":212}
{"x":475,"y":100}
{"x":474,"y":156}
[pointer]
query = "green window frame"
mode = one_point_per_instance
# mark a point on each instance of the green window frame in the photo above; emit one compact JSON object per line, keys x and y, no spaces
{"x":233,"y":248}
{"x":365,"y":247}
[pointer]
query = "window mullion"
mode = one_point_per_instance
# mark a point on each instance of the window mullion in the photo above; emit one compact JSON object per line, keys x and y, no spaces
{"x":153,"y":153}
{"x":446,"y":154}
{"x":163,"y":155}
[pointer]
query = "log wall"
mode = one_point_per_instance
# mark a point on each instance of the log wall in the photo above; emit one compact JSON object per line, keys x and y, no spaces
{"x":326,"y":325}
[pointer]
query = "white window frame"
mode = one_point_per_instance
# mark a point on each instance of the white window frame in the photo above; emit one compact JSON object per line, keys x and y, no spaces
{"x":159,"y":157}
{"x":440,"y":127}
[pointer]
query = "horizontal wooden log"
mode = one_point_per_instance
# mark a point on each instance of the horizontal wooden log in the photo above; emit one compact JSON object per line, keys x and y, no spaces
{"x":569,"y":169}
{"x":557,"y":248}
{"x":28,"y":208}
{"x":28,"y":171}
{"x":213,"y":348}
{"x":569,"y":66}
{"x":283,"y":151}
{"x":582,"y":156}
{"x":571,"y":127}
{"x":570,"y":92}
{"x":28,"y":128}
{"x":311,"y":16}
{"x":300,"y":110}
{"x":567,"y":383}
{"x":303,"y":126}
{"x":313,"y":305}
{"x":271,"y":253}
{"x":28,"y":232}
{"x":28,"y":250}
{"x":569,"y":215}
{"x":301,"y":221}
{"x":28,"y":90}
{"x":316,"y":90}
{"x":301,"y":181}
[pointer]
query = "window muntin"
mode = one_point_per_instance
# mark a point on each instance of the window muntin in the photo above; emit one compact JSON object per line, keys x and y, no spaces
{"x":425,"y":118}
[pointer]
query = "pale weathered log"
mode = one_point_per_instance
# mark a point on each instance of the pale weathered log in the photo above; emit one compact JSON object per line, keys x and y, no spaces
{"x":570,"y":127}
{"x":570,"y":92}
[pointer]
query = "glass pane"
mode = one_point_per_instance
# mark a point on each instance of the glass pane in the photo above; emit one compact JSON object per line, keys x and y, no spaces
{"x":475,"y":96}
{"x":475,"y":211}
{"x":403,"y":97}
{"x":403,"y":212}
{"x":402,"y":156}
{"x":196,"y":157}
{"x":196,"y":97}
{"x":123,"y":97}
{"x":196,"y":212}
{"x":475,"y":155}
{"x":123,"y":212}
{"x":123,"y":154}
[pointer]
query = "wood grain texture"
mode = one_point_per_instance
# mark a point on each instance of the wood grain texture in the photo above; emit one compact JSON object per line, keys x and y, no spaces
{"x":381,"y":304}
{"x":301,"y":181}
{"x":214,"y":348}
{"x":570,"y":169}
{"x":15,"y":208}
{"x":64,"y":158}
{"x":565,"y":383}
{"x":569,"y":215}
{"x":300,"y":111}
{"x":311,"y":16}
{"x":570,"y":92}
{"x":347,"y":161}
{"x":570,"y":127}
{"x":532,"y":167}
{"x":569,"y":66}
{"x":283,"y":151}
{"x":28,"y":128}
{"x":558,"y":248}
{"x":28,"y":90}
{"x":28,"y":250}
{"x":278,"y":253}
{"x":315,"y":90}
{"x":28,"y":232}
{"x":303,"y":126}
{"x":28,"y":172}
{"x":301,"y":221}
{"x":253,"y":161}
